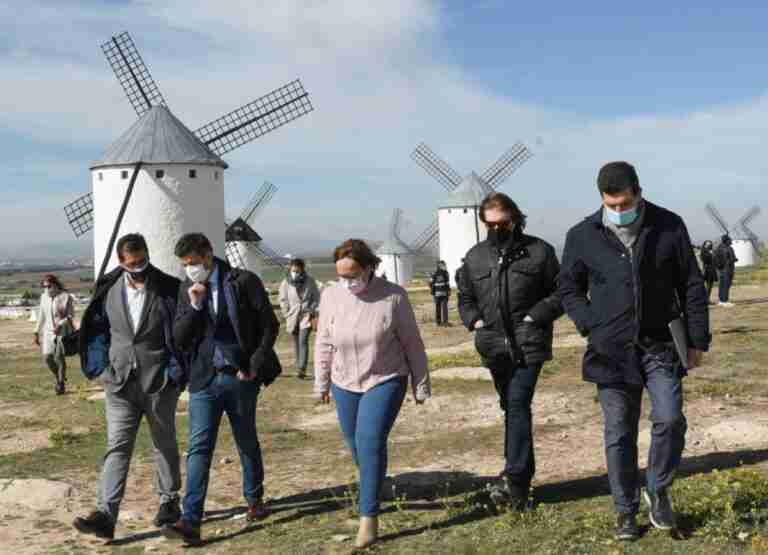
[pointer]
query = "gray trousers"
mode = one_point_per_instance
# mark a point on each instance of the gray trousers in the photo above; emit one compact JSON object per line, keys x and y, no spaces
{"x":57,"y":364}
{"x":301,"y":348}
{"x":621,"y":404}
{"x":124,"y":411}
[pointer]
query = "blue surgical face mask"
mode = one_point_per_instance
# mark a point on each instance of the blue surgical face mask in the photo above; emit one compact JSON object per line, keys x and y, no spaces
{"x":624,"y":218}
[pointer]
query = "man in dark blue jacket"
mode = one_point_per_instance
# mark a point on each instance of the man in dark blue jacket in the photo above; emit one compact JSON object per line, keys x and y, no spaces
{"x":226,"y":327}
{"x":628,"y":271}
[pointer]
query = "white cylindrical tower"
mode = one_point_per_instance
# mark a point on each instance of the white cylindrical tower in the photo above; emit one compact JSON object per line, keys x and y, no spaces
{"x":745,"y":253}
{"x":396,"y":261}
{"x":460,"y":224}
{"x":179,"y":189}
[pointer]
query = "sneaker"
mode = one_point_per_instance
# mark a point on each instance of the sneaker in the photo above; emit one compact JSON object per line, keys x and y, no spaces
{"x":168,"y":513}
{"x":661,"y":513}
{"x":184,"y":531}
{"x":626,"y":528}
{"x":725,"y":304}
{"x":257,"y":511}
{"x":97,"y":524}
{"x":504,"y":493}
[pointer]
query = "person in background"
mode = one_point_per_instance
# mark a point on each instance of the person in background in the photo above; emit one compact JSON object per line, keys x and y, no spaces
{"x":708,"y":263}
{"x":55,"y":320}
{"x":299,"y":298}
{"x":226,"y":327}
{"x":725,"y":261}
{"x":126,"y":339}
{"x":628,"y":271}
{"x":459,"y":274}
{"x":368,"y":344}
{"x":440,"y":289}
{"x":507,"y":296}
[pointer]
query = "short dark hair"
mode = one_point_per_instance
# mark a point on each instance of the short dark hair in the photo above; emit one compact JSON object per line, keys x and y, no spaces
{"x":192,"y":244}
{"x":132,"y":243}
{"x":504,"y":203}
{"x":617,"y":177}
{"x":359,"y":251}
{"x":299,"y":263}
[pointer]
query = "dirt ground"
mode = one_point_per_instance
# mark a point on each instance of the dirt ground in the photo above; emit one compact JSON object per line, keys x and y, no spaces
{"x":51,"y":447}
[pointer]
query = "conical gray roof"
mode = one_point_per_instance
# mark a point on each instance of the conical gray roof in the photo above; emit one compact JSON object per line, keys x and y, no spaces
{"x":158,"y":137}
{"x":470,"y":192}
{"x":393,"y":245}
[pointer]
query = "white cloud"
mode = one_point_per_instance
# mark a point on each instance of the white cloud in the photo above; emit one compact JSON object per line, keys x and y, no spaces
{"x":376,"y":78}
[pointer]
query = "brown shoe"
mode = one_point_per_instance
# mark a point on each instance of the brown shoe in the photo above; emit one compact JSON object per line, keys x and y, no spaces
{"x":184,"y":531}
{"x":257,"y":511}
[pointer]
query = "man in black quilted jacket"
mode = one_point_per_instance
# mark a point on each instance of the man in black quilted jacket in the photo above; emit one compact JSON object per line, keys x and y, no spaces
{"x":508,"y":297}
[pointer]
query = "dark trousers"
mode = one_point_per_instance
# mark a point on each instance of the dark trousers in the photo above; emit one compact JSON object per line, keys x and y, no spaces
{"x":441,"y":310}
{"x":301,"y":348}
{"x":516,"y":387}
{"x":225,"y":393}
{"x":726,"y":281}
{"x":621,"y":404}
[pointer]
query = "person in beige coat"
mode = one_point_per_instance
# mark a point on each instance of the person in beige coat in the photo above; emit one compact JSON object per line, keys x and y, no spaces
{"x":299,"y":298}
{"x":54,"y":321}
{"x":368,"y":345}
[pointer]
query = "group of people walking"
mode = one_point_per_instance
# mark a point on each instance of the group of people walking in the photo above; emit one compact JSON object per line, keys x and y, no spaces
{"x":628,"y":272}
{"x":719,"y":265}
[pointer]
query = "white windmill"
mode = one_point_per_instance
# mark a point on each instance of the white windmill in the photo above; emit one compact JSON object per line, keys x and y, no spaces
{"x":245,"y":248}
{"x":397,"y":258}
{"x":177,"y":174}
{"x":745,"y":243}
{"x":458,"y":226}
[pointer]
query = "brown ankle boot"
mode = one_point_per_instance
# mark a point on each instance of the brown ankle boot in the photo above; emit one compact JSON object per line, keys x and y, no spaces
{"x":368,"y":532}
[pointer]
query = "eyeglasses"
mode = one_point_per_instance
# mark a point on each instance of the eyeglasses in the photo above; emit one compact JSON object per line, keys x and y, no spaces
{"x":498,"y":225}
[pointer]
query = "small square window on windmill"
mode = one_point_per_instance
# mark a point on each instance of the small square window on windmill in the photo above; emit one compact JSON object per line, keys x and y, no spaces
{"x":158,"y":137}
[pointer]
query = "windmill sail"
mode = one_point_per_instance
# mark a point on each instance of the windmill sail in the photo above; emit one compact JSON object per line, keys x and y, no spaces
{"x":751,"y":214}
{"x":505,"y":166}
{"x":258,"y":202}
{"x":79,"y":214}
{"x":256,"y":118}
{"x":132,"y":73}
{"x":717,"y":218}
{"x":427,"y":239}
{"x":270,"y":256}
{"x":436,"y":167}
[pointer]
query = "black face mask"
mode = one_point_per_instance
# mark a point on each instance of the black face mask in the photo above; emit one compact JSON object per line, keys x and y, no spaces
{"x":499,"y":237}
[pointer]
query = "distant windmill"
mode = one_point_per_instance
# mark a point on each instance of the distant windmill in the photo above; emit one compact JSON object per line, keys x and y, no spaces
{"x":396,"y":256}
{"x":746,"y":244}
{"x":458,"y":226}
{"x":245,"y":248}
{"x":177,"y":174}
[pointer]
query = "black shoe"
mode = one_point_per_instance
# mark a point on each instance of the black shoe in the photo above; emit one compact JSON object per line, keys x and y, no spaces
{"x":508,"y":494}
{"x":60,"y":388}
{"x":184,"y":531}
{"x":301,"y":375}
{"x":96,"y":524}
{"x":168,"y":513}
{"x":627,"y":529}
{"x":661,"y":513}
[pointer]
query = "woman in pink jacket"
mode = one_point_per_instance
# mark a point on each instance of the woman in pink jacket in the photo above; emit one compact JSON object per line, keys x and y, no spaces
{"x":367,"y":345}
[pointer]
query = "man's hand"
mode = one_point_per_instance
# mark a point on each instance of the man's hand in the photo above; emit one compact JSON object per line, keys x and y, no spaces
{"x":479,"y":325}
{"x":37,"y":339}
{"x":243,"y":377}
{"x":694,"y":358}
{"x":325,"y":397}
{"x":197,"y":293}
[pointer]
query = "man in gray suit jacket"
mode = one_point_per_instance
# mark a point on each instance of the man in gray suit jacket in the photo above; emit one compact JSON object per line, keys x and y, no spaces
{"x":127,"y":340}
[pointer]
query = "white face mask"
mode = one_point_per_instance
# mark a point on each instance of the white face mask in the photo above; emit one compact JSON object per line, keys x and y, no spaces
{"x":197,"y":273}
{"x":354,"y":286}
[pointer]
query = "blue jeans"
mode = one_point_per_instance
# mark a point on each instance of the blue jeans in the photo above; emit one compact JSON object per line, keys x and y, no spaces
{"x":621,"y":404}
{"x":366,"y":419}
{"x":726,"y":281}
{"x":237,"y":398}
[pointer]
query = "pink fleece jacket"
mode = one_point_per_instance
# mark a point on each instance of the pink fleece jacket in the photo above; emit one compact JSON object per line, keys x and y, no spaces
{"x":364,"y":340}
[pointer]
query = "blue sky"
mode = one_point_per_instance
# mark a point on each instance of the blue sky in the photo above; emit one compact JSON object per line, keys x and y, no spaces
{"x":678,"y":90}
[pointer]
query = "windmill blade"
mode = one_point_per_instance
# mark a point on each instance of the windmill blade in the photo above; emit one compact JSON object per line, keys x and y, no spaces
{"x":717,"y":218}
{"x":233,"y":255}
{"x":751,"y":214}
{"x":395,"y":223}
{"x":132,"y":74}
{"x":270,"y":256}
{"x":752,"y":236}
{"x":427,"y":238}
{"x":255,"y":119}
{"x":258,"y":201}
{"x":505,"y":166}
{"x":79,"y":214}
{"x":436,"y":167}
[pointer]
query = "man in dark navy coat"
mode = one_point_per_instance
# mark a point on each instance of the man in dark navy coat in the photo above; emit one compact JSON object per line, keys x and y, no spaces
{"x":628,"y":271}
